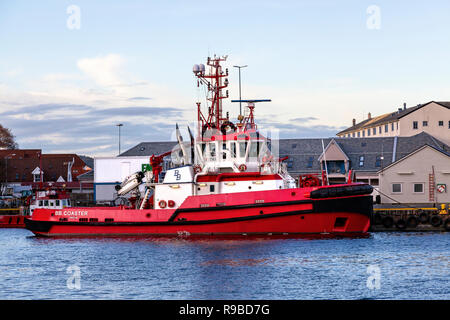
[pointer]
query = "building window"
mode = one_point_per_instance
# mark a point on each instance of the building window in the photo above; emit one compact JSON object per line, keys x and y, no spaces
{"x":364,"y":133}
{"x":415,"y":125}
{"x":396,"y":188}
{"x":359,"y":134}
{"x":449,"y":124}
{"x":310,"y":162}
{"x":378,"y":161}
{"x":290,"y":163}
{"x":425,"y":123}
{"x":361,"y":161}
{"x":36,"y":177}
{"x":392,"y":126}
{"x":374,"y":131}
{"x":386,"y":128}
{"x":379,"y":129}
{"x":418,"y":187}
{"x":368,"y":132}
{"x":335,"y":167}
{"x":353,"y":134}
{"x":441,"y":123}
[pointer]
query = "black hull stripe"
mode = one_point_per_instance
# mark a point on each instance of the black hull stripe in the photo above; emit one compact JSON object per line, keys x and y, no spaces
{"x":47,"y":224}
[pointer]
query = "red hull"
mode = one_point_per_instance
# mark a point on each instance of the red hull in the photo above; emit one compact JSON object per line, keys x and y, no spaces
{"x":256,"y":213}
{"x":12,"y":221}
{"x":283,"y":225}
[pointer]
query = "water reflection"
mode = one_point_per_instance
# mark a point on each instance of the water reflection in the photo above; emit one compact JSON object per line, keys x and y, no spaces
{"x":412,"y":265}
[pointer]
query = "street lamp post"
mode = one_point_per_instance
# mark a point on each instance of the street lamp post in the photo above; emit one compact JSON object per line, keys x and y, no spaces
{"x":119,"y":125}
{"x":240,"y":103}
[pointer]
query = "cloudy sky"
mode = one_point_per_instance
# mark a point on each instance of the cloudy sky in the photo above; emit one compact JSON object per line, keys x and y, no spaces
{"x":71,"y":70}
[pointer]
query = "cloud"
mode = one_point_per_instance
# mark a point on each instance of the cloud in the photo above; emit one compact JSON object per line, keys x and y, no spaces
{"x":305,"y":119}
{"x":104,"y":70}
{"x":139,"y":99}
{"x":83,"y":128}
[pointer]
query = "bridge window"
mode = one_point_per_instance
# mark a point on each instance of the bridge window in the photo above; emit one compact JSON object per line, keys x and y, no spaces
{"x":212,"y":149}
{"x":242,"y":148}
{"x":224,"y":149}
{"x":254,"y":149}
{"x":233,"y":149}
{"x":203,"y":147}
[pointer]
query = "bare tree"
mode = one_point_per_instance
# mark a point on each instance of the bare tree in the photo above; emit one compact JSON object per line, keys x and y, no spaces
{"x":7,"y":139}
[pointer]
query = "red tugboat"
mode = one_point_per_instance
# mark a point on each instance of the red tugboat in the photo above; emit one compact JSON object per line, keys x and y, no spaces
{"x":229,"y":183}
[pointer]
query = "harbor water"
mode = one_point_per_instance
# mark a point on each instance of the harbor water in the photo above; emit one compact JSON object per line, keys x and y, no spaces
{"x":385,"y":265}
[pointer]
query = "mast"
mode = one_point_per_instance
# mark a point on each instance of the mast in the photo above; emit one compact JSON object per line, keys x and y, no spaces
{"x":215,"y":81}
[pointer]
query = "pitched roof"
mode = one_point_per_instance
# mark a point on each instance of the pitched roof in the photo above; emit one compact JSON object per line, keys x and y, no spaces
{"x":304,"y":153}
{"x":149,"y":148}
{"x":20,"y":163}
{"x":389,"y":117}
{"x":444,"y":152}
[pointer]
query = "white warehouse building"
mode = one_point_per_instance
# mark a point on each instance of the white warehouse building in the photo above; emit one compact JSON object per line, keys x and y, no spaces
{"x":111,"y":171}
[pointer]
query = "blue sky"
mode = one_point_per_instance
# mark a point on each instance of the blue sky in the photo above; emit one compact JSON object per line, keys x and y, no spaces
{"x":63,"y":90}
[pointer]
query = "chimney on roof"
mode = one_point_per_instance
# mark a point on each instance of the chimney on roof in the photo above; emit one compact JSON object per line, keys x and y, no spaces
{"x":404,"y":105}
{"x":369,"y":116}
{"x":354,"y":122}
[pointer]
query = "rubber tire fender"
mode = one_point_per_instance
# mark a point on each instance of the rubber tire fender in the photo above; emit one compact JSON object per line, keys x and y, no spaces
{"x":412,"y":222}
{"x":435,"y":220}
{"x":447,"y":224}
{"x":400,"y":224}
{"x":388,"y":222}
{"x":424,"y":217}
